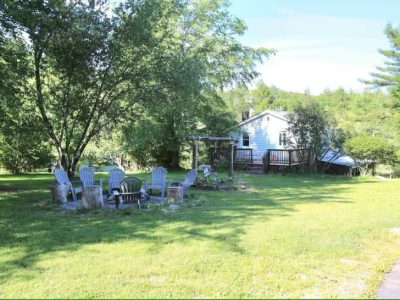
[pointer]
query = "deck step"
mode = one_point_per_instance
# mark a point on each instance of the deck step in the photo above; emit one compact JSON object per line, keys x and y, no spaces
{"x":255,"y":169}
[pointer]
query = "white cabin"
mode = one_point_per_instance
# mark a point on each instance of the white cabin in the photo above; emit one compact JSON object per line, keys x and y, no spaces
{"x":264,"y":139}
{"x":264,"y":131}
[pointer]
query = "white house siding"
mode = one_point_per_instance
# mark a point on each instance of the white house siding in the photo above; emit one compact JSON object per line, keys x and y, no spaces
{"x":263,"y":133}
{"x":264,"y":130}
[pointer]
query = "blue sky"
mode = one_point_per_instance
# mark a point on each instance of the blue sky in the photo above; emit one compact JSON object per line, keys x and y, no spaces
{"x":320,"y":44}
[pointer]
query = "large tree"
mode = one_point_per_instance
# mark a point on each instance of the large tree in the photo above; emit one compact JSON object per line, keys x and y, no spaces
{"x":201,"y":53}
{"x":89,"y":65}
{"x":92,"y":67}
{"x":310,"y":127}
{"x":389,"y":74}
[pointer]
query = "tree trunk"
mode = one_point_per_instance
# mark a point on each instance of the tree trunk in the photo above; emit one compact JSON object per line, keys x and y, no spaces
{"x":62,"y":158}
{"x":175,"y":194}
{"x":119,"y":160}
{"x":72,"y":168}
{"x":175,"y":159}
{"x":313,"y":161}
{"x":363,"y":170}
{"x":172,"y":159}
{"x":66,"y":162}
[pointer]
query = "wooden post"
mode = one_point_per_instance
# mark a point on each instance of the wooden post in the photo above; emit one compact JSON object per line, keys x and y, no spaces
{"x":175,"y":194}
{"x":92,"y":197}
{"x":59,"y":193}
{"x":265,"y":161}
{"x":231,"y":159}
{"x":290,"y":161}
{"x":194,"y":154}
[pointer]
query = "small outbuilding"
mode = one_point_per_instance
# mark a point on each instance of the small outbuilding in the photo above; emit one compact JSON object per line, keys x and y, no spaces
{"x":335,"y":162}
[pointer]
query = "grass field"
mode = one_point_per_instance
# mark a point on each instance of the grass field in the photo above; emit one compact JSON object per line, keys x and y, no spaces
{"x":286,"y":236}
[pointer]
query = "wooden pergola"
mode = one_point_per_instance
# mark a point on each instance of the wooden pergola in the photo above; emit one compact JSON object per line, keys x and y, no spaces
{"x":195,"y":148}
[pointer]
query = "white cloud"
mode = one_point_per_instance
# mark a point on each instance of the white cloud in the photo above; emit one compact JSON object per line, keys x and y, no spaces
{"x":298,"y":75}
{"x":318,"y":52}
{"x":318,"y":64}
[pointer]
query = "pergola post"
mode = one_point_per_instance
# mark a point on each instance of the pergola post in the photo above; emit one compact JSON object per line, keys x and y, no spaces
{"x":231,"y":146}
{"x":195,"y":147}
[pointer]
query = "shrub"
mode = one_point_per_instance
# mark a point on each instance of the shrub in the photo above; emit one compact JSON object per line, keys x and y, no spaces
{"x":310,"y":127}
{"x":385,"y":170}
{"x":368,"y":151}
{"x":221,"y":165}
{"x":24,"y":149}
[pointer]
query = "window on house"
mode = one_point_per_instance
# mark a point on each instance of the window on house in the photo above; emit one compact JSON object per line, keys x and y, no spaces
{"x":283,"y":138}
{"x":246,"y":139}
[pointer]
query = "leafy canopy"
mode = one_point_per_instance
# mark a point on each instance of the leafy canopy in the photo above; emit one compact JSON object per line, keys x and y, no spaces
{"x":370,"y":150}
{"x":90,"y":67}
{"x":312,"y":128}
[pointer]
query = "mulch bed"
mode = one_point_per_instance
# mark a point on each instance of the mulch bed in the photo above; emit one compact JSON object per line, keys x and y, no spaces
{"x":215,"y":187}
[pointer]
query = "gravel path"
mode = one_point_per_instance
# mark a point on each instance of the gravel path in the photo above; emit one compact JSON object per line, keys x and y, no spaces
{"x":390,"y":288}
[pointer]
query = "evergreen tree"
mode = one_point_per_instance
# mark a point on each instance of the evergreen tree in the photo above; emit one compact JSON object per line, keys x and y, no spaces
{"x":389,"y":74}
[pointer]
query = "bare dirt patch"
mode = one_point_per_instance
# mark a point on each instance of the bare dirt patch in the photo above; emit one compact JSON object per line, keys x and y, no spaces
{"x":395,"y":230}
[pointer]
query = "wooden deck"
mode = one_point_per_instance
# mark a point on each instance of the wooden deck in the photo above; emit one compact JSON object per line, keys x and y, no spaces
{"x":271,"y":158}
{"x":287,"y":157}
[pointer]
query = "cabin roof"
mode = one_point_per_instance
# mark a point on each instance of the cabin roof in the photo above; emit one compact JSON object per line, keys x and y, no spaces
{"x":275,"y":113}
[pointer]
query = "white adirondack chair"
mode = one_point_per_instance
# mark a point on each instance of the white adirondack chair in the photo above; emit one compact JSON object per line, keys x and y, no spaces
{"x":115,"y":176}
{"x":189,"y":180}
{"x":158,"y":181}
{"x":86,"y":176}
{"x":62,"y":178}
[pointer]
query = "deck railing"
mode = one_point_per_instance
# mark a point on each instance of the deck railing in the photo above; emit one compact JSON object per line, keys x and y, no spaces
{"x":243,"y":155}
{"x":271,"y":157}
{"x":240,"y":155}
{"x":285,"y":157}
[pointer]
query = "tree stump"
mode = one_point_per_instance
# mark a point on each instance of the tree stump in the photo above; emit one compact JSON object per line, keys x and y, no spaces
{"x":59,"y":193}
{"x":175,"y":194}
{"x":92,"y":197}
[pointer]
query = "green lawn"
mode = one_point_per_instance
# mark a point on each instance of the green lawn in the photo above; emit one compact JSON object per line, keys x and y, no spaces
{"x":287,"y":236}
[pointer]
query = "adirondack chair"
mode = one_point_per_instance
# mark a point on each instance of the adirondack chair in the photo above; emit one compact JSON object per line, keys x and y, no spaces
{"x":130,"y":191}
{"x":62,"y":178}
{"x":158,"y":181}
{"x":188,"y":182}
{"x":115,"y":176}
{"x":86,"y":176}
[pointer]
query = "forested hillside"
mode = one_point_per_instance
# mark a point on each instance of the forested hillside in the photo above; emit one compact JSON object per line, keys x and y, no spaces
{"x":358,"y":113}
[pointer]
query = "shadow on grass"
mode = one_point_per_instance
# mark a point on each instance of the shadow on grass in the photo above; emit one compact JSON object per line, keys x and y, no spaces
{"x":30,"y":228}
